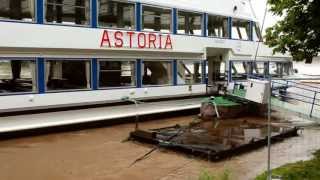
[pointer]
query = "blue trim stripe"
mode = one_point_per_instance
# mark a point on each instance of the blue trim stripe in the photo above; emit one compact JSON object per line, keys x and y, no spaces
{"x":251,"y":26}
{"x":139,"y":73}
{"x":175,"y":72}
{"x":230,"y":71}
{"x":174,"y":21}
{"x":40,"y":12}
{"x":204,"y":24}
{"x":94,"y":13}
{"x":204,"y":73}
{"x":230,"y":27}
{"x":94,"y":74}
{"x":138,"y":16}
{"x":41,"y":75}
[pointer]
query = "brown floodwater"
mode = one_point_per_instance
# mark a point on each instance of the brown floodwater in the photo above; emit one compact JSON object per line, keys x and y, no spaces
{"x":103,"y":153}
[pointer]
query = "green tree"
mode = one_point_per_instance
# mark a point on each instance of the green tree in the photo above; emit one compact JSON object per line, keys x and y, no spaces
{"x":299,"y":31}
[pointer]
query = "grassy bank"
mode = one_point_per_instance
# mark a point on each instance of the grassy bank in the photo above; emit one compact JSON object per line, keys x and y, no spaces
{"x":206,"y":175}
{"x":302,"y":170}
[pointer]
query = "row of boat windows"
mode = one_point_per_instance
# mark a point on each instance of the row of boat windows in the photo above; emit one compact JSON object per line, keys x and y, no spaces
{"x":241,"y":70}
{"x":121,"y":14}
{"x":19,"y":76}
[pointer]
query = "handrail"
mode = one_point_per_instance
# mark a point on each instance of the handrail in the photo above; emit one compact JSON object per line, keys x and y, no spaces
{"x":301,"y":97}
{"x":302,"y":84}
{"x":298,"y":100}
{"x":296,"y":87}
{"x":313,"y":101}
{"x":305,"y":96}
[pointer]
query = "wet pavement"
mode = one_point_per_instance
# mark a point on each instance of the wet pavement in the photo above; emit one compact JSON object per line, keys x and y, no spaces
{"x":103,"y":154}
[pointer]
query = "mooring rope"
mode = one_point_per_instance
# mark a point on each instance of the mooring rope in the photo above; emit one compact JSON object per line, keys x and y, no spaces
{"x":155,"y":148}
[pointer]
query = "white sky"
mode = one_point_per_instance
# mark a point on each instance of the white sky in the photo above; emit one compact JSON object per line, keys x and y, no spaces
{"x":259,"y":7}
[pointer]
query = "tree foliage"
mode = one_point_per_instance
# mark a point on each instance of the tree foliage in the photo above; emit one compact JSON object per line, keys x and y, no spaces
{"x":299,"y":30}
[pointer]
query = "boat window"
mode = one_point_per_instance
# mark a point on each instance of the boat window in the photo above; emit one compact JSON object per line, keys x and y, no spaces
{"x":67,"y":74}
{"x":256,"y":33}
{"x":17,"y":76}
{"x":189,"y":72}
{"x":218,"y":26}
{"x":217,"y":71}
{"x":17,"y":10}
{"x":116,"y":73}
{"x":259,"y":69}
{"x":189,"y":23}
{"x":240,"y":29}
{"x":276,"y":69}
{"x":116,"y":14}
{"x":280,"y":69}
{"x":249,"y":69}
{"x":156,"y":19}
{"x":240,"y":70}
{"x":157,"y":73}
{"x":71,"y":12}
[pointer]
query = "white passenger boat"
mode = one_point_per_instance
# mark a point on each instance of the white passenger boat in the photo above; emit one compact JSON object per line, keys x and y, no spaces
{"x":68,"y":53}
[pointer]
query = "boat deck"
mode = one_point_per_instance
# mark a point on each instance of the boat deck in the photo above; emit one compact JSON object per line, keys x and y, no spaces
{"x":63,"y":118}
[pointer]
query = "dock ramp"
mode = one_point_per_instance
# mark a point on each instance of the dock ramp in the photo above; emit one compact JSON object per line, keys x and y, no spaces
{"x":290,"y":95}
{"x":298,"y":97}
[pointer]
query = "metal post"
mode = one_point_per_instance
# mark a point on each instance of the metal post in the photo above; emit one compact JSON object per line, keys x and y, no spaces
{"x":269,"y":131}
{"x":137,"y":115}
{"x":128,"y":99}
{"x":314,"y":101}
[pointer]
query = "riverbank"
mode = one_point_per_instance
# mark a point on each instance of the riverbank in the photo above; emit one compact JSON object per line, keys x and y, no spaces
{"x":309,"y":170}
{"x":103,"y":154}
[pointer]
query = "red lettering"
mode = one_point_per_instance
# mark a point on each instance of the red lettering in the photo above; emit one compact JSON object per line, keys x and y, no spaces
{"x":118,"y":39}
{"x":168,"y":42}
{"x":152,"y":40}
{"x":144,"y":40}
{"x":105,"y":38}
{"x":160,"y":41}
{"x":130,"y":38}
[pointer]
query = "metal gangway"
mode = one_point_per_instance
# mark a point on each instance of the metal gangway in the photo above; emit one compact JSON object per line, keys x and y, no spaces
{"x":291,"y":95}
{"x":296,"y":96}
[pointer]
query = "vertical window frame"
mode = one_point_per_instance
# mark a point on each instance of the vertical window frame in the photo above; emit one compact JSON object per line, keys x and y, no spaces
{"x":258,"y":33}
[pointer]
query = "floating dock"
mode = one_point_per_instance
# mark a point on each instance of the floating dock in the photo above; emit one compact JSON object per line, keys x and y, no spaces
{"x":215,"y":141}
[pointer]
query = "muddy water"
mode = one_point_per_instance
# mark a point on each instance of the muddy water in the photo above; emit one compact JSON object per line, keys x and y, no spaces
{"x":102,"y":154}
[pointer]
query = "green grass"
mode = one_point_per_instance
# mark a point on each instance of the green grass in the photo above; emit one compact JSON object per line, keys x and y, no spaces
{"x":206,"y":175}
{"x":301,"y":170}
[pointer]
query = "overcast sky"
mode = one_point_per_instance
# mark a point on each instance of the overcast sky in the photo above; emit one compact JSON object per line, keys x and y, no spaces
{"x":259,"y":7}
